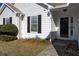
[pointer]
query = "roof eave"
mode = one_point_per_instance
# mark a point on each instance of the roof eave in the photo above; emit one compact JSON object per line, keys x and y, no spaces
{"x":19,"y":12}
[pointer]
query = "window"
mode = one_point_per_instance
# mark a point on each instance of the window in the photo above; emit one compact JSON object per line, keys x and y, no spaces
{"x":7,"y":20}
{"x":1,"y":4}
{"x":34,"y":24}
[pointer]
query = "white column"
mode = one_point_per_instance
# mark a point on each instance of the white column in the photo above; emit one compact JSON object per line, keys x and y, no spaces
{"x":54,"y":28}
{"x":20,"y":27}
{"x":51,"y":24}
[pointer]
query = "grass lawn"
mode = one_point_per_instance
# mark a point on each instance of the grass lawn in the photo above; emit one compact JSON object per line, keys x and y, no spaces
{"x":23,"y":47}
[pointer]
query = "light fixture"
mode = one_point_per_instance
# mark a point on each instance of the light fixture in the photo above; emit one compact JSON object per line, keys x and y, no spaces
{"x":64,"y":10}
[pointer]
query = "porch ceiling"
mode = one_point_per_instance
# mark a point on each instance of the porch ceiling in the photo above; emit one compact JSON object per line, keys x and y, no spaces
{"x":52,"y":5}
{"x":71,"y":6}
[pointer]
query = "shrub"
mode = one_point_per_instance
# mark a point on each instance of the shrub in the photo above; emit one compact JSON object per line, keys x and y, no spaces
{"x":0,"y":26}
{"x":9,"y":29}
{"x":7,"y":38}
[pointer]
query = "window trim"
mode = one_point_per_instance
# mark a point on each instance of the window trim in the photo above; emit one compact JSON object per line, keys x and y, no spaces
{"x":6,"y":19}
{"x":31,"y":25}
{"x":71,"y":31}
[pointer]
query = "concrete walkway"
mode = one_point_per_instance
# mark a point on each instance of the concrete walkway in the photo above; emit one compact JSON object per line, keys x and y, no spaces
{"x":50,"y":51}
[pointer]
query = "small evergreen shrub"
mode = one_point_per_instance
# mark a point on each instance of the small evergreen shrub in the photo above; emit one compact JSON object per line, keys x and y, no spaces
{"x":9,"y":29}
{"x":0,"y":26}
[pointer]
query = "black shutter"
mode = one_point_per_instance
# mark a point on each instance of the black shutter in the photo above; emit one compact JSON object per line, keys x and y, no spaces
{"x":39,"y":23}
{"x":10,"y":20}
{"x":28,"y":24}
{"x":4,"y":21}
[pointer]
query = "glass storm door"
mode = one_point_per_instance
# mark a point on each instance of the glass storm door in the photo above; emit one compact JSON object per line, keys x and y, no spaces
{"x":64,"y":27}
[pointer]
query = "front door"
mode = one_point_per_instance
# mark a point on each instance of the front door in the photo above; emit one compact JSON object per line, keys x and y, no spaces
{"x":64,"y":27}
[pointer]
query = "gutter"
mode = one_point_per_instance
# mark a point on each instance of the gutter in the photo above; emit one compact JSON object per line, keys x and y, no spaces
{"x":62,"y":6}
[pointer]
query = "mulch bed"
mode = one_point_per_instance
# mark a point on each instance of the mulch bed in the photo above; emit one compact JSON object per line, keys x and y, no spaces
{"x":71,"y":50}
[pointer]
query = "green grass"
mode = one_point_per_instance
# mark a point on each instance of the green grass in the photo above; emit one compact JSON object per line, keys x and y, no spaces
{"x":23,"y":47}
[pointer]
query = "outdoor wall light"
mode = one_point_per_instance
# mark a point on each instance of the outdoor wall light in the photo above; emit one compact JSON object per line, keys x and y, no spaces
{"x":64,"y":10}
{"x":48,"y":14}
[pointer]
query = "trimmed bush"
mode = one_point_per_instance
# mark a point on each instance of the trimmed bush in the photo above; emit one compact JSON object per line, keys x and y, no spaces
{"x":7,"y":38}
{"x":9,"y":29}
{"x":0,"y":26}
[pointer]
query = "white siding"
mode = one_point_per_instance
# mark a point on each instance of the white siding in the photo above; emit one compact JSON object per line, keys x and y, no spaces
{"x":33,"y":10}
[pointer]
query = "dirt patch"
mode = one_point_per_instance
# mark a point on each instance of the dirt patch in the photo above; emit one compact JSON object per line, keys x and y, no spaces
{"x":71,"y":50}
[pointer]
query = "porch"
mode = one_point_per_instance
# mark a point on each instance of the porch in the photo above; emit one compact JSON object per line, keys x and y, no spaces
{"x":65,"y":23}
{"x":62,"y":49}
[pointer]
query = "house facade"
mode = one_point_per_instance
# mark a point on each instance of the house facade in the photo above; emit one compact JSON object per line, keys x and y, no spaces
{"x":35,"y":23}
{"x":43,"y":20}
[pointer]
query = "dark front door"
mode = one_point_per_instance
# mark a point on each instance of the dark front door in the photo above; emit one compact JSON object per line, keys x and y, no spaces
{"x":64,"y":27}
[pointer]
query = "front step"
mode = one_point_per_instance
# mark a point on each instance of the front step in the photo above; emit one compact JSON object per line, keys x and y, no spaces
{"x":65,"y":42}
{"x":60,"y":44}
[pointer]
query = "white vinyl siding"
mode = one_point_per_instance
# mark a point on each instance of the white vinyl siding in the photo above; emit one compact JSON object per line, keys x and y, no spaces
{"x":34,"y":10}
